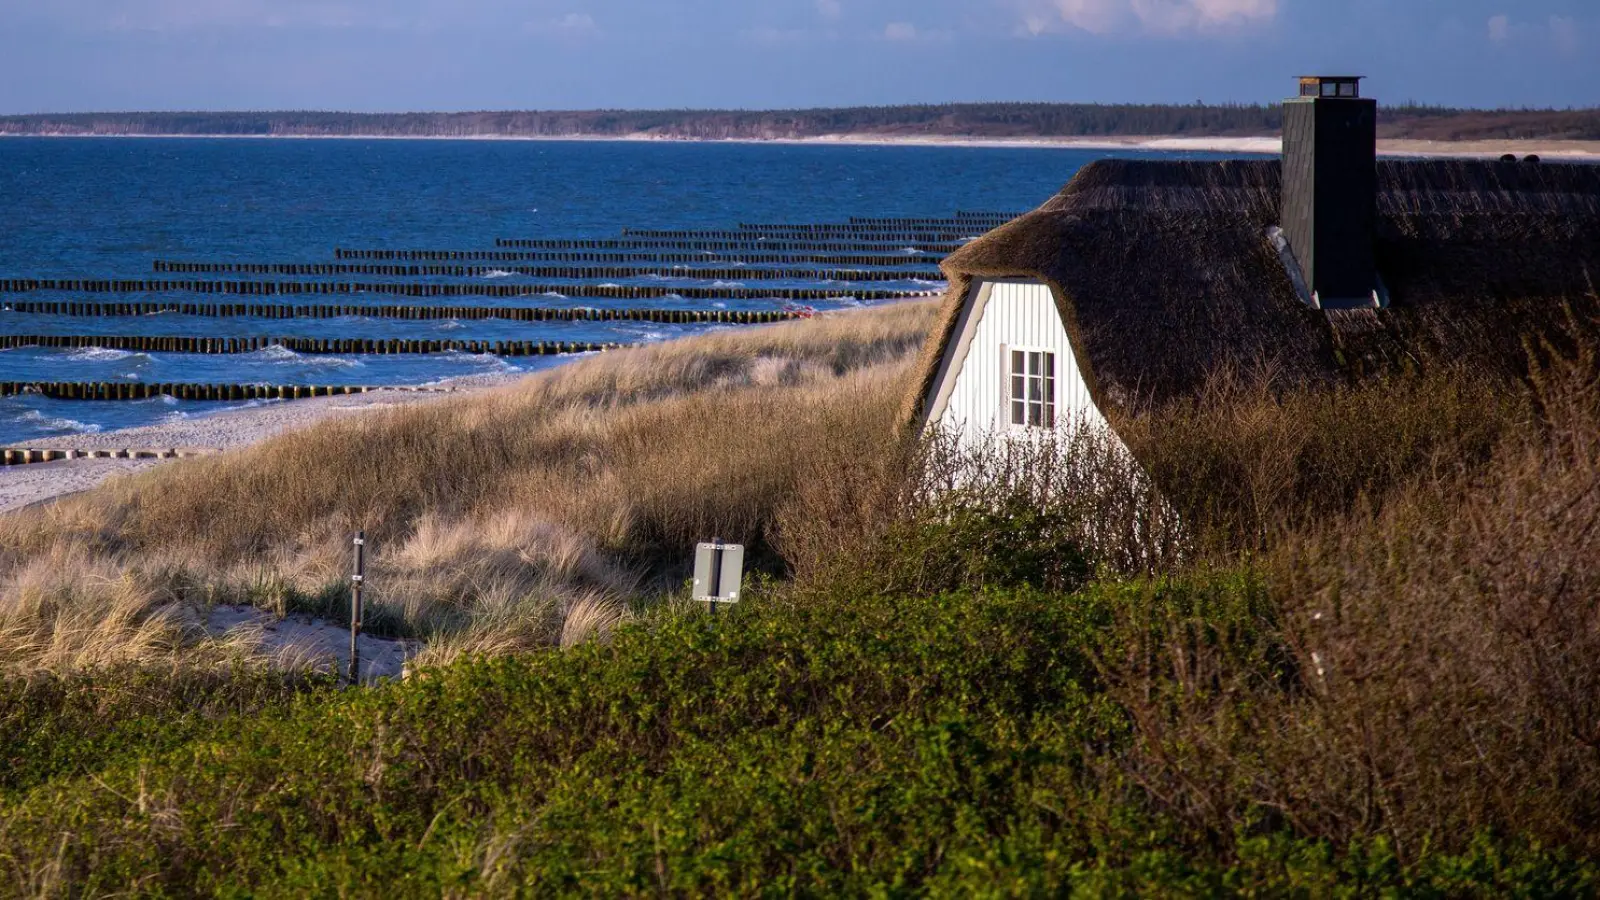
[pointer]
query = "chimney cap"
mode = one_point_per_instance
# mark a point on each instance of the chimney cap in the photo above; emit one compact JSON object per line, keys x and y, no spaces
{"x":1341,"y":87}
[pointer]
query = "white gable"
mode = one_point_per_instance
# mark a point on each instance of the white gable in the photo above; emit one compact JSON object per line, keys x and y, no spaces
{"x":969,"y":395}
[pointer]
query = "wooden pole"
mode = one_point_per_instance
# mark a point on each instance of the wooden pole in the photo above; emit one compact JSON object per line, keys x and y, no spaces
{"x":357,"y":581}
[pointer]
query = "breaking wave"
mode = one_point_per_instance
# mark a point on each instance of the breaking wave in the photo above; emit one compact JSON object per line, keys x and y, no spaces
{"x":57,"y":423}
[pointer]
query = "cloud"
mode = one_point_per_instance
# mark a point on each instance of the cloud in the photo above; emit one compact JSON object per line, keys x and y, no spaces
{"x":830,"y":9}
{"x":1564,"y":32}
{"x":1154,"y":16}
{"x":1500,"y":28}
{"x":900,"y":31}
{"x":1561,"y":33}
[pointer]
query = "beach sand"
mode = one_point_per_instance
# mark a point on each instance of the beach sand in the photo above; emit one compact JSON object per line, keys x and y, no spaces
{"x":1547,"y":149}
{"x":1555,"y":150}
{"x":23,"y":486}
{"x":298,"y":641}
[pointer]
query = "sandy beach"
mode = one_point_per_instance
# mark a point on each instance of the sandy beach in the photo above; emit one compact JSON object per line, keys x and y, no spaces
{"x":27,"y":485}
{"x":1587,"y":151}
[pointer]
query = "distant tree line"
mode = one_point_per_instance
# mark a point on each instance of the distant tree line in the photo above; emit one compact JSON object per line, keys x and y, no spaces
{"x":979,"y":120}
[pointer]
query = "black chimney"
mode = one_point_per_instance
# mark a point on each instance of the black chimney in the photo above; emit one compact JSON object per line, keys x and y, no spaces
{"x":1330,"y":189}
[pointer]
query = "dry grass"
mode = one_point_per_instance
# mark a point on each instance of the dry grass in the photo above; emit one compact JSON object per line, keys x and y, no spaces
{"x":522,"y":516}
{"x":1426,"y":661}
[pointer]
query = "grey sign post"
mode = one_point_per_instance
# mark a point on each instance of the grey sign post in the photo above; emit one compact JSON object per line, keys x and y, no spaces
{"x":718,"y":572}
{"x":358,"y":580}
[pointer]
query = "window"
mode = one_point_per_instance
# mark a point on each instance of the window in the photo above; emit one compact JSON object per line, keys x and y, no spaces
{"x":1033,"y":388}
{"x":1330,"y":89}
{"x":1347,"y":88}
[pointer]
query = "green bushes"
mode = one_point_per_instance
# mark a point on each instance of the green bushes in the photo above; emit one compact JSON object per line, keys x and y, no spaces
{"x":819,"y":744}
{"x":1014,"y":544}
{"x":60,"y":726}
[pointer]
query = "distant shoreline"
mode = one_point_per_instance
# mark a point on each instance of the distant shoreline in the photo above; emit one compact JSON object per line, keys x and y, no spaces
{"x":1549,"y":149}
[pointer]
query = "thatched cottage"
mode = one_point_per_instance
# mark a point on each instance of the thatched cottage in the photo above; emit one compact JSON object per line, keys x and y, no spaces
{"x":1141,"y":277}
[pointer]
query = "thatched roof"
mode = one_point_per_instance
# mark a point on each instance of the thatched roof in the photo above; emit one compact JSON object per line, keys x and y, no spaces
{"x":1164,"y":271}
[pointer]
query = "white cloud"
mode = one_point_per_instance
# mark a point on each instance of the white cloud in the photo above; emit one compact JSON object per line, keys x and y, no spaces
{"x":1500,"y":28}
{"x":830,"y":9}
{"x":1159,"y":16}
{"x":1564,"y":32}
{"x":572,"y":26}
{"x":1560,"y":33}
{"x":900,"y":31}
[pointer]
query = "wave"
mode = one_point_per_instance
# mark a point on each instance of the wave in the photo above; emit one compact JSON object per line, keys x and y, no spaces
{"x":498,"y":273}
{"x":278,"y":353}
{"x":727,"y":284}
{"x":103,"y":354}
{"x":58,"y":423}
{"x":483,"y":361}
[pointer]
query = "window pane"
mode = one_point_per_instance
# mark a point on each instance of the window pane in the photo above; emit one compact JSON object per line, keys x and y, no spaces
{"x":1017,"y":365}
{"x":1050,"y":365}
{"x":1018,"y":391}
{"x":1017,"y":412}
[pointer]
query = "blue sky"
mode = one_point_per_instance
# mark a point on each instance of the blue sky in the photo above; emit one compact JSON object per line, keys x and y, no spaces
{"x":386,"y":55}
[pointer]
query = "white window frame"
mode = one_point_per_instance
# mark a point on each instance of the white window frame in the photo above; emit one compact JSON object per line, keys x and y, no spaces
{"x":1049,"y":378}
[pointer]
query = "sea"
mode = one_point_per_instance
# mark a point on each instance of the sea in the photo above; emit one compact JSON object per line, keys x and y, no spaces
{"x":115,"y":208}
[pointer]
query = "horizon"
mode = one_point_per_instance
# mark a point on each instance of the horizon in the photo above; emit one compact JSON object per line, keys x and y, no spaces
{"x":362,"y":56}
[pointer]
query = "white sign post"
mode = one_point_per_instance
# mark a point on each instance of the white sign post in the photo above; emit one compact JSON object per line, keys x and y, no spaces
{"x":718,"y":572}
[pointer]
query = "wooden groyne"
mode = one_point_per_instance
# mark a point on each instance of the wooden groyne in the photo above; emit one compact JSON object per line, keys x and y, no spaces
{"x":437,"y":270}
{"x":950,"y":236}
{"x":872,"y":230}
{"x":144,"y":390}
{"x":641,"y":256}
{"x":968,"y":219}
{"x":296,"y":288}
{"x":723,"y":245}
{"x":25,"y":456}
{"x":218,"y":345}
{"x":413,"y":313}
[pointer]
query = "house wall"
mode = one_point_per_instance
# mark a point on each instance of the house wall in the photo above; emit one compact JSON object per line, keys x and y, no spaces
{"x":1004,"y":314}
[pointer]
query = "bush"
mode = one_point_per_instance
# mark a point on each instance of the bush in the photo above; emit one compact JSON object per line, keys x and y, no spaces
{"x":804,"y":743}
{"x":1016,"y":544}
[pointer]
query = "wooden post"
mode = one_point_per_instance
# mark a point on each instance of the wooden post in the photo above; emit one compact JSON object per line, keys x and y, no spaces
{"x":357,"y":581}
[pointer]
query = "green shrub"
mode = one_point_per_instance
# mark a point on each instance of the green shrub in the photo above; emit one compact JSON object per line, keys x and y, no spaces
{"x":839,"y":743}
{"x":1015,"y":544}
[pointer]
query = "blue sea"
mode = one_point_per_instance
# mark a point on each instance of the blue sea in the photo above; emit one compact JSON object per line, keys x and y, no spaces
{"x":111,"y":208}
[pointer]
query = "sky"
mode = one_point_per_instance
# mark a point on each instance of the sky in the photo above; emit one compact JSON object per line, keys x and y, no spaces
{"x":399,"y":55}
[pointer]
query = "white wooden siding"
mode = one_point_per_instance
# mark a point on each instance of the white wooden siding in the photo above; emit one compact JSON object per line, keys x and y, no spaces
{"x":1006,"y":314}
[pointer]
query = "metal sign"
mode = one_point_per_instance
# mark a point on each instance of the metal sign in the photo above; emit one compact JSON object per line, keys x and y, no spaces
{"x":718,"y":572}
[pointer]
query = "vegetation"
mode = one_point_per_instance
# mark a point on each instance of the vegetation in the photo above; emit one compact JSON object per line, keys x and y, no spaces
{"x":1359,"y":652}
{"x":938,"y":120}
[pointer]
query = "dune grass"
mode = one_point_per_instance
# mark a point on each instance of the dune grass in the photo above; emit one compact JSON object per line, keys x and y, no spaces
{"x":524,"y":516}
